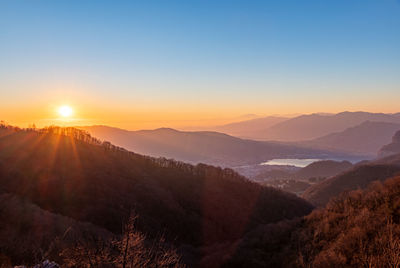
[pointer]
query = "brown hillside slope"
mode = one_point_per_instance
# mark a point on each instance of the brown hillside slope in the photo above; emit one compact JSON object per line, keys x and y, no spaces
{"x":358,"y":177}
{"x":98,"y":184}
{"x":360,"y":229}
{"x":28,"y":233}
{"x":357,"y":229}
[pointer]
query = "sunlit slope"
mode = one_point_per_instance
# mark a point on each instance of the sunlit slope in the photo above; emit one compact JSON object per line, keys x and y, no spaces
{"x":359,"y":229}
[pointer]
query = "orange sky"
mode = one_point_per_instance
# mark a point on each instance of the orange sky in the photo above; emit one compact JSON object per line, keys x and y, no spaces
{"x":147,"y":114}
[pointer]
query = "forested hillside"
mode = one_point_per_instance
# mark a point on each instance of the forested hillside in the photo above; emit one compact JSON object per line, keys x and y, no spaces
{"x":67,"y":172}
{"x":357,"y":229}
{"x":359,"y":177}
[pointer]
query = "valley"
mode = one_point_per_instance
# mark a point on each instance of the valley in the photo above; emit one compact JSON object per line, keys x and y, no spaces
{"x":199,"y":134}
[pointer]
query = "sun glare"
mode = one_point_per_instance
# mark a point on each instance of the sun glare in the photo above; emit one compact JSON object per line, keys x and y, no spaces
{"x":65,"y":111}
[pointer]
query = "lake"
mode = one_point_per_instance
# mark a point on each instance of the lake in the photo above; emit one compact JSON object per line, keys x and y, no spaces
{"x":291,"y":162}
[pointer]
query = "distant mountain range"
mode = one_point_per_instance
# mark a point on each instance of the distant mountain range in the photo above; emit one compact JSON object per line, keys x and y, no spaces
{"x":391,"y":148}
{"x":206,"y":147}
{"x":366,"y":138}
{"x":250,"y":129}
{"x":307,"y":127}
{"x":303,"y":127}
{"x":324,"y":136}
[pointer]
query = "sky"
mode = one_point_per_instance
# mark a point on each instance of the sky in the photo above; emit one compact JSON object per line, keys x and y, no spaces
{"x":148,"y":64}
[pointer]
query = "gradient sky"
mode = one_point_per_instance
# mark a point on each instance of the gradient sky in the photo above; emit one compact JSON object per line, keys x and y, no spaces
{"x":144,"y":64}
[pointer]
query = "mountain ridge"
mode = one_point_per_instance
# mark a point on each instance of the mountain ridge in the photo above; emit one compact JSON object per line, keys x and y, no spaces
{"x":365,"y":138}
{"x":205,"y":146}
{"x":313,"y":126}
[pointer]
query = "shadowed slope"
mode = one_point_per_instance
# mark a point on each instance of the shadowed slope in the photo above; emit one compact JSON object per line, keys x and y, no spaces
{"x":324,"y":169}
{"x":92,"y":182}
{"x":29,"y":233}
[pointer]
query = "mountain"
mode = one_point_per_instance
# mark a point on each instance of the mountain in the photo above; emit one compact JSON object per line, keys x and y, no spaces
{"x":366,"y":138}
{"x":67,"y":172}
{"x":358,"y":177}
{"x":250,"y":129}
{"x":297,"y":181}
{"x":358,"y":229}
{"x":205,"y":147}
{"x":323,"y":169}
{"x":392,"y":148}
{"x":313,"y":126}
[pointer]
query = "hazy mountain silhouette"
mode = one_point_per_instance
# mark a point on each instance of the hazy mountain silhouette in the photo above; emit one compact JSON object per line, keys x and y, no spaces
{"x":26,"y":230}
{"x":392,"y":148}
{"x":67,"y":172}
{"x":366,"y":138}
{"x":250,"y":129}
{"x":308,"y":127}
{"x":206,"y":147}
{"x":359,"y":177}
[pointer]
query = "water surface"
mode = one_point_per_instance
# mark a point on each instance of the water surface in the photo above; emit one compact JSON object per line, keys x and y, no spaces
{"x":291,"y":162}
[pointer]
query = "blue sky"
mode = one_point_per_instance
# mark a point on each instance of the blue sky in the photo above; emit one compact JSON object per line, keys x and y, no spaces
{"x":215,"y":57}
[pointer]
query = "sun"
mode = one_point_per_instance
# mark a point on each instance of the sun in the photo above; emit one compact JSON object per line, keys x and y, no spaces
{"x":65,"y":111}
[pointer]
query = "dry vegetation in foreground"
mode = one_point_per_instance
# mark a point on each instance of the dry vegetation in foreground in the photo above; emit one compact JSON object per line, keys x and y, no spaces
{"x":357,"y":229}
